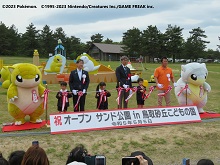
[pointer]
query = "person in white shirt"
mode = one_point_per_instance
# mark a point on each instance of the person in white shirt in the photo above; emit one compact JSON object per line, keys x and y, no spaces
{"x":79,"y":83}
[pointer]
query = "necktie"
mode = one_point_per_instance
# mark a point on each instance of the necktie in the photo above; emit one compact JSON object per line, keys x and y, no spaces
{"x":125,"y":70}
{"x":80,"y":75}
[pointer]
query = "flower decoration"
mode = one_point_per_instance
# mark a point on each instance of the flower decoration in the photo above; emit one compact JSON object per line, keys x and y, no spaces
{"x":84,"y":78}
{"x":129,"y":76}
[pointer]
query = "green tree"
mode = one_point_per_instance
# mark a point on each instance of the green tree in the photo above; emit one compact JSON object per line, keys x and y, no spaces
{"x":47,"y":41}
{"x":73,"y":47}
{"x":108,"y":41}
{"x":3,"y":39}
{"x":84,"y":47}
{"x":8,"y":40}
{"x":151,"y":42}
{"x":60,"y":34}
{"x":174,"y":41}
{"x":218,"y":45}
{"x":97,"y":38}
{"x":30,"y":40}
{"x":195,"y":45}
{"x":132,"y":41}
{"x":212,"y":54}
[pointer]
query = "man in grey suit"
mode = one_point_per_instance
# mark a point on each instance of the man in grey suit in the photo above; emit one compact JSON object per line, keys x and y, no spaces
{"x":123,"y":75}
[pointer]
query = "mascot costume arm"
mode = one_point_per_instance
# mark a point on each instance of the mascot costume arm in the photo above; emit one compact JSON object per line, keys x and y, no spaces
{"x":41,"y":89}
{"x":12,"y":92}
{"x":207,"y":87}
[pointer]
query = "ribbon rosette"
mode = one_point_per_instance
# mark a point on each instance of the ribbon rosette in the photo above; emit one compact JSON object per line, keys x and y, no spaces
{"x":129,"y":76}
{"x":84,"y":78}
{"x":34,"y":96}
{"x":168,"y":77}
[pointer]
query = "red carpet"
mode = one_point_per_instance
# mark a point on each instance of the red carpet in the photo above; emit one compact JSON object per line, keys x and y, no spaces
{"x":208,"y":115}
{"x":26,"y":126}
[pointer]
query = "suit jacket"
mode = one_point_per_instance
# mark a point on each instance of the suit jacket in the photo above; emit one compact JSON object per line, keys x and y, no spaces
{"x":123,"y":78}
{"x":75,"y":83}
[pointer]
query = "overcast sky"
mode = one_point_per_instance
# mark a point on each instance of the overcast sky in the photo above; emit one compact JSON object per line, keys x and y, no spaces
{"x":111,"y":22}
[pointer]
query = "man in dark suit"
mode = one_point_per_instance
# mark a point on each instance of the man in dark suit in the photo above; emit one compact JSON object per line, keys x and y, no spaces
{"x":79,"y":83}
{"x":123,"y":75}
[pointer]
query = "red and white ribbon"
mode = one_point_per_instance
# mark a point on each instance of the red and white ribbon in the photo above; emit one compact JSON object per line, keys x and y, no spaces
{"x":119,"y":94}
{"x":80,"y":93}
{"x":34,"y":96}
{"x":163,"y":94}
{"x":129,"y":76}
{"x":134,"y":90}
{"x":84,"y":78}
{"x":64,"y":99}
{"x":46,"y":93}
{"x":127,"y":89}
{"x":151,"y":89}
{"x":102,"y":95}
{"x":186,"y":87}
{"x":201,"y":91}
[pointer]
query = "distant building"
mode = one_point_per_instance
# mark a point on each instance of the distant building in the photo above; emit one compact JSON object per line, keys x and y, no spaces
{"x":106,"y":52}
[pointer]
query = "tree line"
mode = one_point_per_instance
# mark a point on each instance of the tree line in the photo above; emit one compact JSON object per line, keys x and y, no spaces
{"x":150,"y":42}
{"x":155,"y":44}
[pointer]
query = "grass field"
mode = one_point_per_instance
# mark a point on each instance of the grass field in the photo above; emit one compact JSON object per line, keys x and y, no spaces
{"x":166,"y":145}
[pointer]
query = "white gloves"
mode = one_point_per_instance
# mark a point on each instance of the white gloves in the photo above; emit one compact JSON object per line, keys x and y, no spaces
{"x":74,"y":92}
{"x":125,"y":86}
{"x":175,"y":84}
{"x":160,"y":85}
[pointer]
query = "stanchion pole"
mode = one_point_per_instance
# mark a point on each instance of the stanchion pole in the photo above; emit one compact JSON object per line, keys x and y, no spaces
{"x":46,"y":109}
{"x":186,"y":93}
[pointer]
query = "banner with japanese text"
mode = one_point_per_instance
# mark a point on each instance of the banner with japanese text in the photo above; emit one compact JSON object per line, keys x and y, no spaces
{"x":121,"y":118}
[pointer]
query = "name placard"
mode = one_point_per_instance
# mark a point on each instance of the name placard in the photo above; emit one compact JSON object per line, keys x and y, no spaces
{"x":122,"y":118}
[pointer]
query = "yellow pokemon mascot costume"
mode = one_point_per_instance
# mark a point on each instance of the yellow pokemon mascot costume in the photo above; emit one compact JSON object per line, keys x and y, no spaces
{"x":191,"y":87}
{"x":25,"y":94}
{"x":55,"y":66}
{"x":5,"y":77}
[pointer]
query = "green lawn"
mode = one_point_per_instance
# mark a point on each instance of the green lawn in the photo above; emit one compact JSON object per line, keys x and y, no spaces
{"x":166,"y":145}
